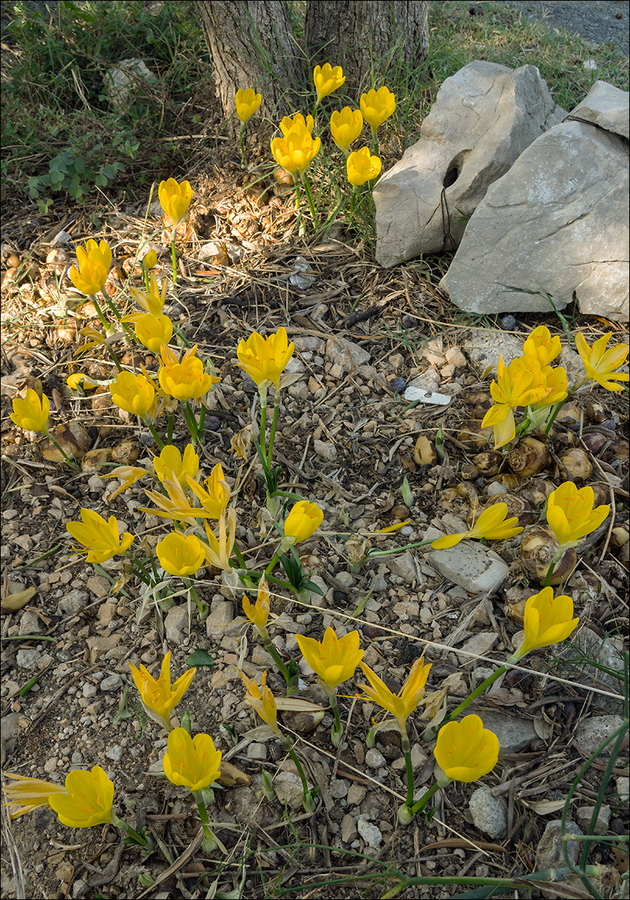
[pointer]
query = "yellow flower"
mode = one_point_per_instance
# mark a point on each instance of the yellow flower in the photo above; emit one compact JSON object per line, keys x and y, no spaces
{"x":333,"y":659}
{"x":87,"y":799}
{"x":541,"y":346}
{"x":31,"y":414}
{"x":217,"y":496}
{"x":548,"y":620}
{"x":400,"y":705}
{"x":100,"y":538}
{"x":377,"y":106}
{"x":28,"y":794}
{"x":184,"y":380}
{"x":180,"y":554}
{"x":302,"y":521}
{"x":153,"y":331}
{"x":491,"y":525}
{"x":265,"y":358}
{"x":516,"y":385}
{"x":94,"y":262}
{"x":170,"y":463}
{"x":133,"y":393}
{"x":152,"y":303}
{"x":80,"y":380}
{"x":345,"y":127}
{"x":600,"y":364}
{"x":158,"y":696}
{"x":175,"y":505}
{"x":327,"y":80}
{"x":297,"y":124}
{"x":247,"y":102}
{"x":149,"y":259}
{"x":295,"y":151}
{"x":192,"y":762}
{"x":218,"y":551}
{"x":465,"y":751}
{"x":96,"y":340}
{"x":258,"y":615}
{"x":175,"y":199}
{"x":263,"y":701}
{"x":556,"y":383}
{"x":128,"y":475}
{"x":570,"y":514}
{"x":362,"y":167}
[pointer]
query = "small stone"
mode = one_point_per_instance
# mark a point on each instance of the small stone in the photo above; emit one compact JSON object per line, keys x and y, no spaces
{"x":96,"y":485}
{"x":479,"y":644}
{"x":472,"y":567}
{"x":257,"y":751}
{"x":106,"y":613}
{"x":176,"y":624}
{"x":591,"y":733}
{"x":348,"y":829}
{"x":221,"y":614}
{"x":99,"y":646}
{"x":585,"y":813}
{"x":514,"y":734}
{"x":406,"y":567}
{"x":369,"y":832}
{"x":488,"y":812}
{"x":89,"y":690}
{"x":455,"y":357}
{"x":623,"y":787}
{"x":111,"y":683}
{"x":115,"y":753}
{"x":77,"y":758}
{"x":29,"y":623}
{"x":418,"y":757}
{"x":549,"y":853}
{"x":27,"y":658}
{"x":50,"y":765}
{"x":99,"y":586}
{"x":289,"y":789}
{"x":356,"y":794}
{"x":326,"y":450}
{"x":74,"y":601}
{"x":374,"y":758}
{"x":339,"y":789}
{"x":346,"y":353}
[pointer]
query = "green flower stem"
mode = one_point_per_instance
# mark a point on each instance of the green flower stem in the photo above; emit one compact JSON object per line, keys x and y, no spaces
{"x":375,"y":151}
{"x":181,"y":335}
{"x":558,"y":406}
{"x":202,"y":422}
{"x":191,"y":422}
{"x":71,"y":462}
{"x":271,"y":650}
{"x":274,"y":560}
{"x":372,"y":553}
{"x":336,"y":732}
{"x":156,"y":436}
{"x":422,"y":802}
{"x":308,"y":797}
{"x":274,"y":422}
{"x":242,"y":137}
{"x":132,"y":337}
{"x":466,"y":703}
{"x":133,"y":834}
{"x":141,"y":572}
{"x":105,"y":325}
{"x":145,"y":273}
{"x":192,"y":590}
{"x":552,"y":565}
{"x":239,"y":557}
{"x":210,"y":843}
{"x":297,"y":192}
{"x":263,"y":422}
{"x":406,"y":748}
{"x":309,"y":197}
{"x":173,"y":235}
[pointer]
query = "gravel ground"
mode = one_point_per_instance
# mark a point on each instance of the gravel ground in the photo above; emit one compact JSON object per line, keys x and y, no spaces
{"x":595,"y":20}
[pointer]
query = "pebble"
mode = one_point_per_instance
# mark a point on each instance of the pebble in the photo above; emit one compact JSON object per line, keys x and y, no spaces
{"x":27,"y":658}
{"x":623,"y":788}
{"x":406,"y":567}
{"x":346,"y":354}
{"x":470,"y":566}
{"x":592,"y":732}
{"x":356,"y":794}
{"x":348,"y":829}
{"x":76,"y":758}
{"x":89,"y":690}
{"x":29,"y":623}
{"x":514,"y":734}
{"x":339,"y":789}
{"x":549,"y":853}
{"x":114,"y":753}
{"x":488,"y":812}
{"x":257,"y":751}
{"x":584,"y":814}
{"x":326,"y":450}
{"x":111,"y":683}
{"x":50,"y":765}
{"x":176,"y":624}
{"x":221,"y":614}
{"x":374,"y":758}
{"x":96,"y":485}
{"x":479,"y":644}
{"x":74,"y":602}
{"x":369,"y":832}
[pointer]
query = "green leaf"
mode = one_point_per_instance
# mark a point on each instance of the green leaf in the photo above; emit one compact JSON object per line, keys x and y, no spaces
{"x":406,"y":493}
{"x":198,"y":659}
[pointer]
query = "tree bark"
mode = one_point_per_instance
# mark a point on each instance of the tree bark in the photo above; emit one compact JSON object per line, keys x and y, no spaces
{"x":251,"y":45}
{"x":371,"y":39}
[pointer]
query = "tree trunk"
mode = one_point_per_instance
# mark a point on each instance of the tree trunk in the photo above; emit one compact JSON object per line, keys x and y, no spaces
{"x":251,"y":45}
{"x":371,"y":39}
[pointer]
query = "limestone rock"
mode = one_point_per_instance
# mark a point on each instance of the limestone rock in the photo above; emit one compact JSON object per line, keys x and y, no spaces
{"x":606,"y":106}
{"x":470,"y":566}
{"x":483,"y":118}
{"x":488,"y":812}
{"x":557,"y":224}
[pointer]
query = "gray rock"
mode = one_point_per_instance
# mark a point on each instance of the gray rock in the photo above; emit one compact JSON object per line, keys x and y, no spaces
{"x":406,"y":566}
{"x":122,"y":81}
{"x":256,"y":751}
{"x":479,"y":644}
{"x":176,"y":624}
{"x":369,"y":832}
{"x":346,"y":354}
{"x":483,"y":117}
{"x":591,"y":733}
{"x":110,"y":683}
{"x":326,"y":450}
{"x":374,"y":758}
{"x":89,"y":691}
{"x":29,"y":623}
{"x":606,"y":106}
{"x":115,"y":753}
{"x":348,"y":829}
{"x":27,"y":658}
{"x":488,"y":812}
{"x":485,"y":346}
{"x":549,"y":853}
{"x":289,"y":789}
{"x":556,"y":223}
{"x":221,"y":614}
{"x":470,"y":566}
{"x":623,"y":787}
{"x":74,"y":602}
{"x":584,"y":815}
{"x":514,"y":734}
{"x":9,"y":731}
